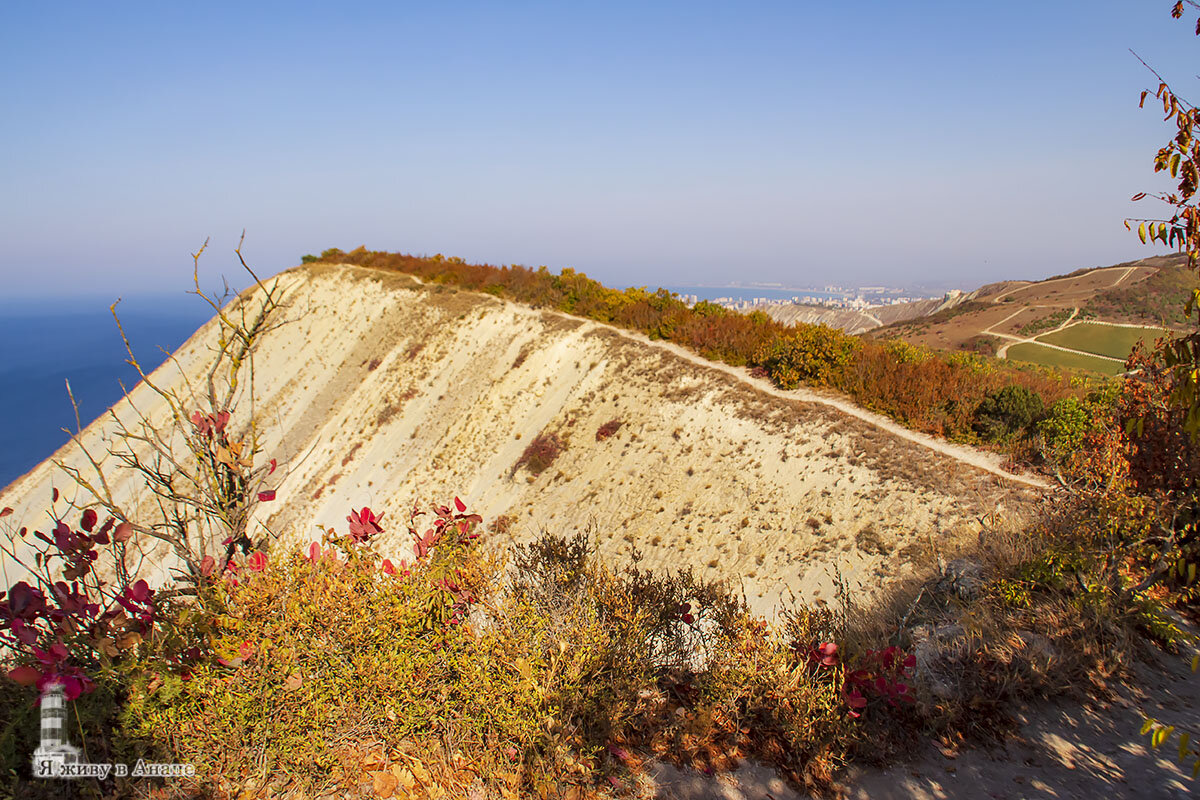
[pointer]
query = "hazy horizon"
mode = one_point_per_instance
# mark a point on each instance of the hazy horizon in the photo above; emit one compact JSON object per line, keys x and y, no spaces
{"x":925,"y":144}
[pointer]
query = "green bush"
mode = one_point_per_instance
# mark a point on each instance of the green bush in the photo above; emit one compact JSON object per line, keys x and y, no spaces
{"x":1064,"y":427}
{"x":1007,"y":412}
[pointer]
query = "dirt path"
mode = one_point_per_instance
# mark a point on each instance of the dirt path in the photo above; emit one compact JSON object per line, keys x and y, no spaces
{"x":1003,"y":351}
{"x":1128,"y":272}
{"x":1027,"y":284}
{"x":989,"y":462}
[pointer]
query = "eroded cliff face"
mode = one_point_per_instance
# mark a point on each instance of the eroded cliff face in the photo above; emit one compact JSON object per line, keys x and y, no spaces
{"x":383,"y":392}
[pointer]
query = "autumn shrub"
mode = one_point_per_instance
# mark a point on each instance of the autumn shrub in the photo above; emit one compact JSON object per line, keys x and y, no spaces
{"x":542,"y":674}
{"x":608,"y":429}
{"x":906,"y":353}
{"x":548,"y":671}
{"x":343,"y":644}
{"x":813,"y":354}
{"x":541,"y":453}
{"x":713,"y":684}
{"x":981,"y":344}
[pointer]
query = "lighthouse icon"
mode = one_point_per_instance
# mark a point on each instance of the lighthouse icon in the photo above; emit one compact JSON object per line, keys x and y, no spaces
{"x":55,"y":750}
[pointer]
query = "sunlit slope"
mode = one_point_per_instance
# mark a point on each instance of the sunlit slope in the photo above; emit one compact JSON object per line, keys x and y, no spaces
{"x":380,"y":391}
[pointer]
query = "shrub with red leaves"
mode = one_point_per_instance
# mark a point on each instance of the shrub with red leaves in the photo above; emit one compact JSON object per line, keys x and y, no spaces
{"x":541,"y":453}
{"x":70,"y":622}
{"x":608,"y":429}
{"x":881,"y":674}
{"x":364,"y":524}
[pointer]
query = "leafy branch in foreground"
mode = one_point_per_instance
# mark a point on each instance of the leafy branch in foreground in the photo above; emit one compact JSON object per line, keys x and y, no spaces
{"x":1165,"y":391}
{"x":1180,"y":158}
{"x":191,"y":447}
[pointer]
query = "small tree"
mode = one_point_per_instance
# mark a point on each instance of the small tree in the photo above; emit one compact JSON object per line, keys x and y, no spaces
{"x":201,"y":465}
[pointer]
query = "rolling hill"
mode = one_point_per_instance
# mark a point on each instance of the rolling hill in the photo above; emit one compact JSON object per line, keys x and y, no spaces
{"x":1086,"y":320}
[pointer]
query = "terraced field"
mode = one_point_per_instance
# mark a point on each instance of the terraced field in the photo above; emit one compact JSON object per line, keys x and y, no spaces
{"x":1049,"y":357}
{"x":1104,"y":340}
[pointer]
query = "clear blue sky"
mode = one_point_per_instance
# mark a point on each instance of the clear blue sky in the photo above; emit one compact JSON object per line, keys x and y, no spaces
{"x":654,"y":143}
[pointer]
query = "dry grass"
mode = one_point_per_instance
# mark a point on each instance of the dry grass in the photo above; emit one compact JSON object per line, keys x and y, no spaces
{"x":1017,"y":628}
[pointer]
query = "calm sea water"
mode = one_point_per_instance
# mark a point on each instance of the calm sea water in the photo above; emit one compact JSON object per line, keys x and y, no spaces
{"x":43,"y":344}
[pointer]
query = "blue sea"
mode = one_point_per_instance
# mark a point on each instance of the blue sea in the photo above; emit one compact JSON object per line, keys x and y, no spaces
{"x":44,"y":343}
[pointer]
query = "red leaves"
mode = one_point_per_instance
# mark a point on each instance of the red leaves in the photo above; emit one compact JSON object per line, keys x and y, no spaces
{"x":207,"y":565}
{"x":364,"y":525}
{"x":388,"y":568}
{"x":24,"y":632}
{"x":314,"y":552}
{"x":882,"y":674}
{"x":26,"y":676}
{"x":267,"y":496}
{"x":245,"y":653}
{"x":272,"y":470}
{"x":140,"y":591}
{"x":25,"y":602}
{"x":4,"y":512}
{"x":855,"y":700}
{"x":101,"y":536}
{"x":208,"y":424}
{"x":257,"y":561}
{"x":824,"y":654}
{"x":459,"y":504}
{"x":608,"y":429}
{"x":94,"y":621}
{"x":424,"y":544}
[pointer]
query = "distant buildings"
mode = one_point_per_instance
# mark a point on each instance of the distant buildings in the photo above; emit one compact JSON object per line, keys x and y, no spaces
{"x":860,"y":299}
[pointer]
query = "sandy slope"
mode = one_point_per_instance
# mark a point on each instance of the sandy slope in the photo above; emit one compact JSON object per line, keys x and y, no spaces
{"x":980,"y":459}
{"x":380,"y":391}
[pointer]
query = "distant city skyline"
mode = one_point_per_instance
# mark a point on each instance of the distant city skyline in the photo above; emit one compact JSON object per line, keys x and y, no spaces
{"x":933,"y":143}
